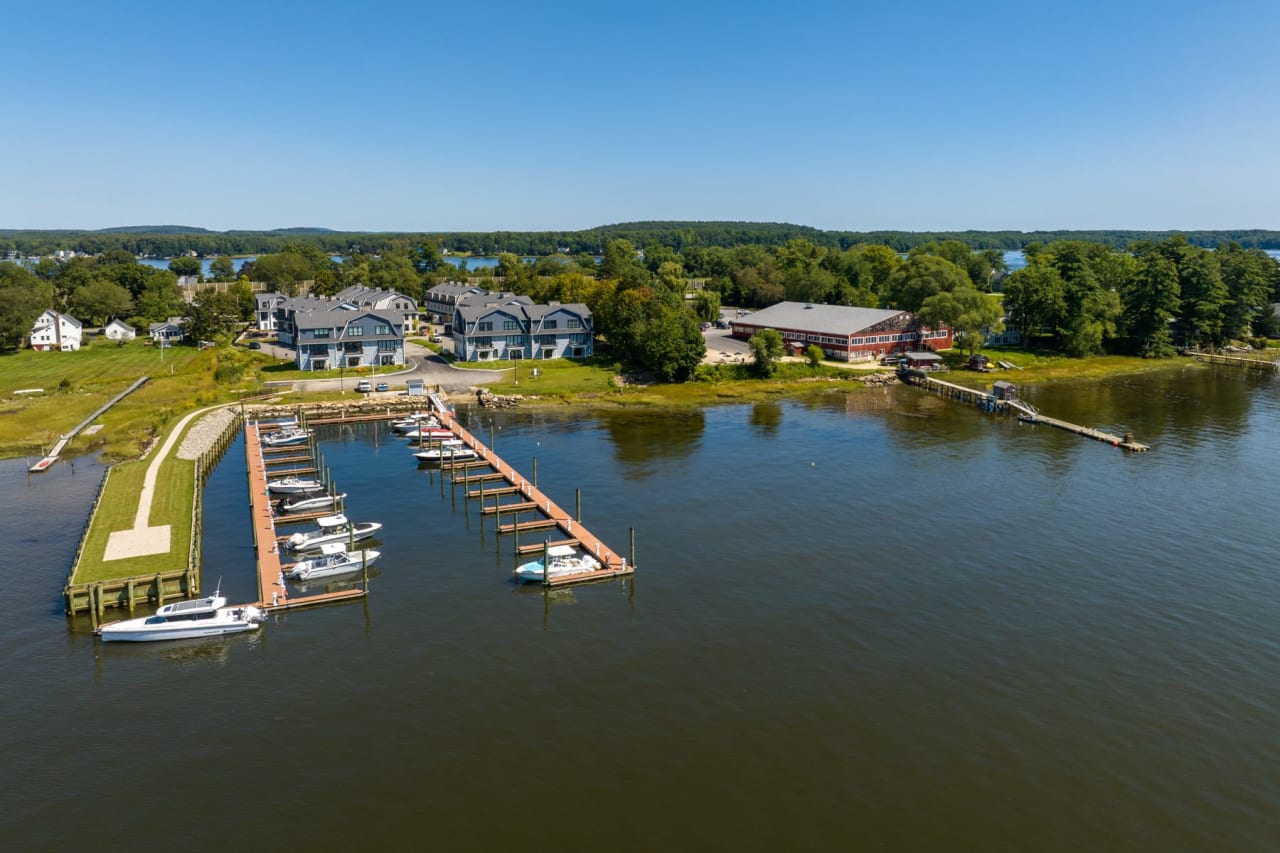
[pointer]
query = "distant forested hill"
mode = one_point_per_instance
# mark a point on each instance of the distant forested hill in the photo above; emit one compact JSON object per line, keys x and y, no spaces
{"x":170,"y":240}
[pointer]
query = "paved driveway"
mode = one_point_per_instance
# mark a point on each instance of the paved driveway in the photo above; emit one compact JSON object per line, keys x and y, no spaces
{"x":422,"y":364}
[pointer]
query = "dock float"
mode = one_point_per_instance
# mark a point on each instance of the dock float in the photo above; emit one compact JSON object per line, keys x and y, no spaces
{"x":46,"y":461}
{"x":1026,"y":412}
{"x":1235,"y":360}
{"x":273,"y":594}
{"x":612,"y":564}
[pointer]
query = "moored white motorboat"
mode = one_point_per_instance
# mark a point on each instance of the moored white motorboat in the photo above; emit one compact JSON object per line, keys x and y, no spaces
{"x":428,"y":433}
{"x":332,"y":528}
{"x":334,"y":560}
{"x":294,"y":486}
{"x":457,"y":453}
{"x":415,"y":420}
{"x":184,"y":620}
{"x":308,"y":502}
{"x":565,"y":560}
{"x":286,"y":437}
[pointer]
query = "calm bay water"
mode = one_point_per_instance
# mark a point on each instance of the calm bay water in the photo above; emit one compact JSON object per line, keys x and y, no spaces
{"x":877,"y":620}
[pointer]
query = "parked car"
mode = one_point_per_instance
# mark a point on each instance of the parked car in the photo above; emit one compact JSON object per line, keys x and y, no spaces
{"x":364,"y":386}
{"x":254,"y":345}
{"x":382,"y":386}
{"x":706,"y":326}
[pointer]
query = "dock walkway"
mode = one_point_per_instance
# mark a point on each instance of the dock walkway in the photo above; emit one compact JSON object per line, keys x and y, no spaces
{"x":273,"y":595}
{"x":612,"y":564}
{"x":1026,"y":412}
{"x":52,"y":456}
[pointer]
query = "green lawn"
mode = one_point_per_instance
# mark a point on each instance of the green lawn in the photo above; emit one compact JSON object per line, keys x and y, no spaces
{"x":557,"y":377}
{"x":174,"y":498}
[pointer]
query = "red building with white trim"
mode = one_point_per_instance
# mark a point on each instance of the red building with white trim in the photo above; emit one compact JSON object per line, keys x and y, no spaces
{"x":845,"y":333}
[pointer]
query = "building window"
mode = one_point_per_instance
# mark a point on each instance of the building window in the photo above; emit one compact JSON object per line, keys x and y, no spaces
{"x":355,"y":331}
{"x":382,"y":329}
{"x":508,"y":325}
{"x":575,"y":323}
{"x":388,"y":346}
{"x":549,"y":324}
{"x":484,"y":326}
{"x":515,"y":340}
{"x":320,"y":333}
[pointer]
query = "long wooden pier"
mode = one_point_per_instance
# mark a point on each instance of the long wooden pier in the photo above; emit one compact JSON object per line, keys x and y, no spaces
{"x":273,"y":594}
{"x":1026,"y":412}
{"x":530,"y":499}
{"x":1235,"y":360}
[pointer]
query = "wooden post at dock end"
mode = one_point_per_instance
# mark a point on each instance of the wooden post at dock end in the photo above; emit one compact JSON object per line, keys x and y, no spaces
{"x":577,"y":497}
{"x":159,"y":589}
{"x":633,"y":548}
{"x":535,"y":472}
{"x":491,"y":433}
{"x":546,"y":561}
{"x":128,"y":586}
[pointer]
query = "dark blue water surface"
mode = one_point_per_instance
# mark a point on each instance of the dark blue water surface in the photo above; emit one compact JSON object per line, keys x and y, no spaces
{"x":876,"y":620}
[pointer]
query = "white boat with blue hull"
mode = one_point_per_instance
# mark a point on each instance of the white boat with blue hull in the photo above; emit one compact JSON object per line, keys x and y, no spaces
{"x":334,"y":560}
{"x":564,"y":559}
{"x":332,"y":528}
{"x":452,"y":450}
{"x":185,"y":620}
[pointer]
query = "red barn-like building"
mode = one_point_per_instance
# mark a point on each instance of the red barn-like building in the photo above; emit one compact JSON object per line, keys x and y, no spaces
{"x":845,"y":333}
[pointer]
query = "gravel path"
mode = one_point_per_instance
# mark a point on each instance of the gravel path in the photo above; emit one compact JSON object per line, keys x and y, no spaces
{"x":201,"y":437}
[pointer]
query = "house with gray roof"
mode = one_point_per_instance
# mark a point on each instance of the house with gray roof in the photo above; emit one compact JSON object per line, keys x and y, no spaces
{"x":495,"y":327}
{"x":845,"y":333}
{"x":439,"y":301}
{"x":328,"y":333}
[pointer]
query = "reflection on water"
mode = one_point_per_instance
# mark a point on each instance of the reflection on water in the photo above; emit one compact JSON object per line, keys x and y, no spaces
{"x":766,"y":418}
{"x":901,"y":622}
{"x":640,"y":440}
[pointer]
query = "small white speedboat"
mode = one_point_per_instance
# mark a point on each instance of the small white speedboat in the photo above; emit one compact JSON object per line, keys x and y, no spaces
{"x":308,"y":502}
{"x":286,"y":438}
{"x":565,"y":560}
{"x":414,"y":421}
{"x":185,"y":620}
{"x":459,"y":453}
{"x":332,"y":528}
{"x":294,"y":486}
{"x":428,"y":433}
{"x":334,"y":560}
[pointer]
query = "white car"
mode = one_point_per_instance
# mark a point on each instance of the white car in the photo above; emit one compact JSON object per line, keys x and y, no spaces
{"x":364,"y":386}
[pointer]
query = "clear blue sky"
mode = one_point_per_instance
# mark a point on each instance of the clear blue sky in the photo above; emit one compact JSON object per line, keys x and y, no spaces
{"x":427,"y":116}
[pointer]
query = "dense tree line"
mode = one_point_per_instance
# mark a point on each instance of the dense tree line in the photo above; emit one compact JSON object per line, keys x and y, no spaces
{"x":1076,"y":296}
{"x":680,"y":237}
{"x":1086,"y":298}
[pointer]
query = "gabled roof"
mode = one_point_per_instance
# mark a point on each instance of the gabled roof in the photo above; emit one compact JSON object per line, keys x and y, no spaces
{"x":823,"y":319}
{"x":49,"y":317}
{"x":122,"y":324}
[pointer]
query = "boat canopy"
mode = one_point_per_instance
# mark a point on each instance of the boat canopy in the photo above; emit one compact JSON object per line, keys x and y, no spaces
{"x":332,"y":521}
{"x":330,"y":549}
{"x":561,"y":551}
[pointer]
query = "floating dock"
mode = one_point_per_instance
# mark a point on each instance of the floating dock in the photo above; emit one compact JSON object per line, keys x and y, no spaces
{"x":529,"y":498}
{"x":273,"y":594}
{"x":1026,"y":412}
{"x":1235,"y":360}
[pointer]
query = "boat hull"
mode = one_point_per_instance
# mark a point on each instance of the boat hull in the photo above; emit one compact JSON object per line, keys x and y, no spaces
{"x":189,"y":632}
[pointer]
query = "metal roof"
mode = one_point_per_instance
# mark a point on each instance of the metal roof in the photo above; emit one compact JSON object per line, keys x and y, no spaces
{"x":836,"y":320}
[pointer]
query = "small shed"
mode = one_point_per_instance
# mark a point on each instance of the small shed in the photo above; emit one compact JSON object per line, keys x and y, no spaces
{"x":416,"y":388}
{"x":925,"y":360}
{"x":1004,"y":390}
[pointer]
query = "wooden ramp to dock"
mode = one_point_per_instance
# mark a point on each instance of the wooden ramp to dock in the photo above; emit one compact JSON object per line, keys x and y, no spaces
{"x":1235,"y":360}
{"x":1026,"y":412}
{"x":49,"y":458}
{"x":612,"y":564}
{"x":273,"y":594}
